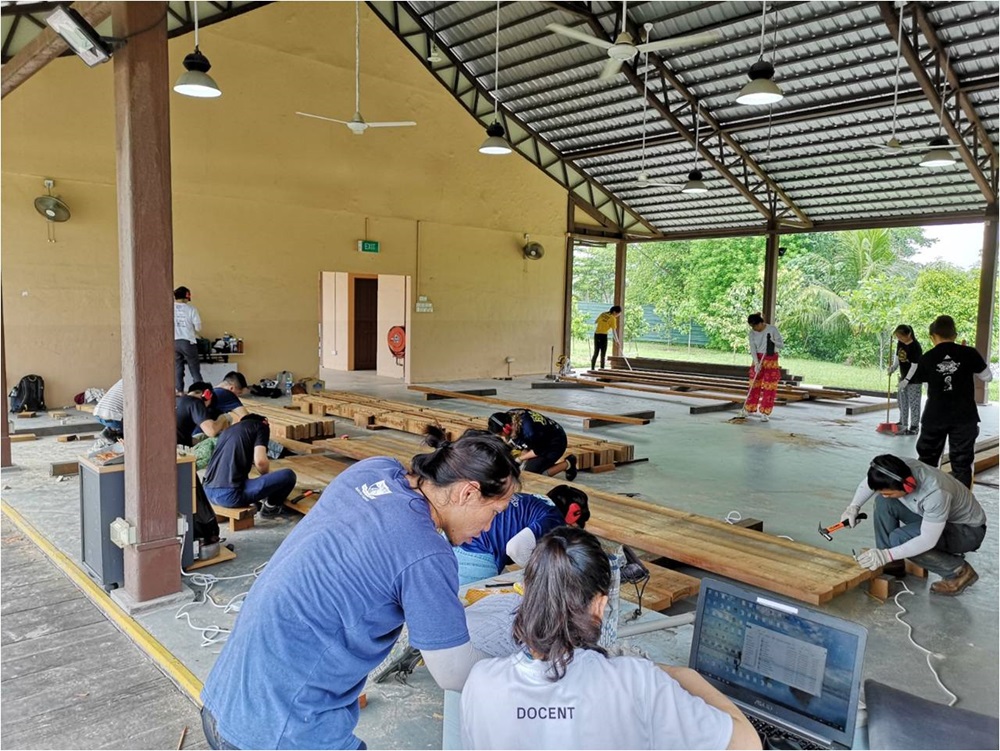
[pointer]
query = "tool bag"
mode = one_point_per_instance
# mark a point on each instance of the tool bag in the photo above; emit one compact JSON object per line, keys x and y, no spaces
{"x":28,"y":395}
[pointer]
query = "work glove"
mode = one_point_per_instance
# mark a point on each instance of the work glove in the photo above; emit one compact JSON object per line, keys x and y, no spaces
{"x":873,"y":559}
{"x":850,"y":515}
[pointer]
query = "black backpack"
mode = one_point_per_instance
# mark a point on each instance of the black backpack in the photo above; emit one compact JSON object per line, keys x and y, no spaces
{"x":28,"y":395}
{"x":205,"y":523}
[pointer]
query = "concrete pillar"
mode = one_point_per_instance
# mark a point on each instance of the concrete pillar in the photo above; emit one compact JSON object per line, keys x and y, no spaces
{"x":145,"y":243}
{"x":5,"y":460}
{"x":987,"y":293}
{"x":621,"y":251}
{"x":771,"y":273}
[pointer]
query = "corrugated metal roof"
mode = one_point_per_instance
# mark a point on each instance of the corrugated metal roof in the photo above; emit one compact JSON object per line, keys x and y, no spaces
{"x":834,"y":61}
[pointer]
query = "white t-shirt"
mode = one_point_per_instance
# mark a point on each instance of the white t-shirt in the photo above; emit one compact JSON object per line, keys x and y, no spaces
{"x":112,"y":404}
{"x":187,"y":322}
{"x":601,"y":702}
{"x":758,"y":341}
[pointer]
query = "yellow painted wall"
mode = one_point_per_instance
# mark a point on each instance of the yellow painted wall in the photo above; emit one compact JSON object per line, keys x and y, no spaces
{"x":264,"y":201}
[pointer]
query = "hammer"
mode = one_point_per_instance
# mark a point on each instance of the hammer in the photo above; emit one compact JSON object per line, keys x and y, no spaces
{"x":308,"y":493}
{"x":827,"y":532}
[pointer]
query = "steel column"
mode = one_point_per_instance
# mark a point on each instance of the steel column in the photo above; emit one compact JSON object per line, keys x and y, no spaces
{"x":771,"y":272}
{"x":145,"y":244}
{"x":987,"y":294}
{"x":621,"y":253}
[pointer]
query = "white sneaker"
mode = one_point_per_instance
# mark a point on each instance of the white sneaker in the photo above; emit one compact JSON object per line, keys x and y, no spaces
{"x":765,"y":418}
{"x":742,"y":414}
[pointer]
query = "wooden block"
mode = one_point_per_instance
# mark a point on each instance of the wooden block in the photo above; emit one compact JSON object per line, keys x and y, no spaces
{"x":57,"y":415}
{"x":86,"y":407}
{"x":599,"y":422}
{"x":914,"y":570}
{"x":25,"y":414}
{"x":598,"y":468}
{"x":664,"y":588}
{"x":22,"y":437}
{"x":75,"y":437}
{"x":879,"y":587}
{"x":225,"y":554}
{"x":239,"y":518}
{"x":750,"y":523}
{"x":57,"y":469}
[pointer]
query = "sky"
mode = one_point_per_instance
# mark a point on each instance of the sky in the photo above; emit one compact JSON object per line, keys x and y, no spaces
{"x":959,"y":244}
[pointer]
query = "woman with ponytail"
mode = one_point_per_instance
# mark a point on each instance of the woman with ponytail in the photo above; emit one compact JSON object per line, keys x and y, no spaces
{"x":374,"y":553}
{"x":563,"y":691}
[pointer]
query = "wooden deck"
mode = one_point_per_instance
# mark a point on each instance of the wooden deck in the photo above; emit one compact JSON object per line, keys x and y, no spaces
{"x":68,"y":677}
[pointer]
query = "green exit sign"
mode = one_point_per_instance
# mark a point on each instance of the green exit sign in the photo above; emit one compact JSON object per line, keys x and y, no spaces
{"x":368,"y":246}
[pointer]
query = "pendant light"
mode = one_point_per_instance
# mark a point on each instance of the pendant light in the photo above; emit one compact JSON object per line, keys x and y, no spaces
{"x":761,"y":89}
{"x":195,"y":81}
{"x":496,"y":143}
{"x":695,"y":182}
{"x":939,"y":154}
{"x":434,"y":54}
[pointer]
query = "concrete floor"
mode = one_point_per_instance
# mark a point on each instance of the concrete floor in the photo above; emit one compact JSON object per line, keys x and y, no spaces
{"x":797,"y":470}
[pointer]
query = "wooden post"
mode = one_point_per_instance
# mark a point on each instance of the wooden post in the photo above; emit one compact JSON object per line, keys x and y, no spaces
{"x":987,"y":294}
{"x":5,"y":460}
{"x":568,"y":283}
{"x":145,"y":244}
{"x":621,"y":251}
{"x":771,"y":273}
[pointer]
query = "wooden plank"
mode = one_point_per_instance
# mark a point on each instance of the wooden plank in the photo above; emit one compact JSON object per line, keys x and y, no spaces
{"x":240,"y":518}
{"x":224,"y":554}
{"x":86,"y":408}
{"x":75,"y":437}
{"x":703,"y":409}
{"x":536,"y":407}
{"x":57,"y":469}
{"x":598,"y":422}
{"x":470,"y":392}
{"x":23,"y":437}
{"x":987,"y":454}
{"x":566,"y":382}
{"x":862,"y":409}
{"x":685,"y":366}
{"x":298,"y":447}
{"x":664,"y":588}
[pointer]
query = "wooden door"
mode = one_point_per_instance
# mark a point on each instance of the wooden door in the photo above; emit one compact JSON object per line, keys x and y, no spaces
{"x":365,"y":324}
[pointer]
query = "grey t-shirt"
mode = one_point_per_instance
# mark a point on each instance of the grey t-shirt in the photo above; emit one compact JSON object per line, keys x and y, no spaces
{"x":938,"y":498}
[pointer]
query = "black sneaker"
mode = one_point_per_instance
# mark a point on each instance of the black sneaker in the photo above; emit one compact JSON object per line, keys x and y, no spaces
{"x":571,"y":469}
{"x":269,"y":511}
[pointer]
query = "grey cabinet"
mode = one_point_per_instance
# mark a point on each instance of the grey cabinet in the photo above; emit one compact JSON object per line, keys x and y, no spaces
{"x":102,"y":500}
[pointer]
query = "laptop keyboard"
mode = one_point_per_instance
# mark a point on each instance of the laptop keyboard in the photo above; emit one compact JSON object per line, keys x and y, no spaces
{"x":774,"y":737}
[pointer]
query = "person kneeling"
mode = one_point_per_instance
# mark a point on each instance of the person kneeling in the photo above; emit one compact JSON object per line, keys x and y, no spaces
{"x":563,"y":691}
{"x":227,"y":478}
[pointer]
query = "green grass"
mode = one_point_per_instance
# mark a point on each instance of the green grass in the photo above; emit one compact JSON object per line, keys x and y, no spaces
{"x":812,"y":371}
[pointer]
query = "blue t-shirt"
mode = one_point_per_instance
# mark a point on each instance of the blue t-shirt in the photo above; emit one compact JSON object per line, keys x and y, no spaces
{"x":535,"y":512}
{"x":224,"y":400}
{"x":328,"y":608}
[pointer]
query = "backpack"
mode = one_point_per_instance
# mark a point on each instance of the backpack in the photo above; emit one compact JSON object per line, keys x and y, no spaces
{"x":28,"y":395}
{"x":206,"y":525}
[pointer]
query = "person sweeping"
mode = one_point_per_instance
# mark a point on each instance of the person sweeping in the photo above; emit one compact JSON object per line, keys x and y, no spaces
{"x":765,"y":343}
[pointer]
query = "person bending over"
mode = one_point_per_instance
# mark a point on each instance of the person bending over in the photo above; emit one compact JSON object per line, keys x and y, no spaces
{"x":922,"y":514}
{"x":242,"y":447}
{"x":110,"y":412}
{"x":192,"y":412}
{"x":563,"y":691}
{"x":607,"y":323}
{"x":333,"y":599}
{"x":950,"y":371}
{"x":538,"y":441}
{"x":908,"y":354}
{"x":515,"y":532}
{"x":765,"y":372}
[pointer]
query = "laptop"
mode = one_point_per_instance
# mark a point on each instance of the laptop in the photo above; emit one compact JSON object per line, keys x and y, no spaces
{"x":793,"y":671}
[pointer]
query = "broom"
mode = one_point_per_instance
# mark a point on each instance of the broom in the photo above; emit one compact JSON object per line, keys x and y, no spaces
{"x":888,"y":427}
{"x":741,"y":416}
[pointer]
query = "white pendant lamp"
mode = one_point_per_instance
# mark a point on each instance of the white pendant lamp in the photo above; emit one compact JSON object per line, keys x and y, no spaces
{"x":761,"y":89}
{"x":939,"y":155}
{"x":195,"y":80}
{"x":496,"y":142}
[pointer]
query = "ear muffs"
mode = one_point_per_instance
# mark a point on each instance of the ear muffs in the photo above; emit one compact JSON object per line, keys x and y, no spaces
{"x":206,"y":395}
{"x":573,"y":514}
{"x":909,"y":482}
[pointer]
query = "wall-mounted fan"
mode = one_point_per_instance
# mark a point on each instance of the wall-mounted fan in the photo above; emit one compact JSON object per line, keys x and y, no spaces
{"x":53,"y":209}
{"x":623,"y":49}
{"x":533,"y":251}
{"x":357,"y":124}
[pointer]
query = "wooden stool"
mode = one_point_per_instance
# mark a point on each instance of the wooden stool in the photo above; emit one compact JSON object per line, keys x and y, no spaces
{"x":239,"y":518}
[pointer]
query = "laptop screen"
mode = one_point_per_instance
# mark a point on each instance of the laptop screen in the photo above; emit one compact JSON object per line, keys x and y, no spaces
{"x":790,"y":662}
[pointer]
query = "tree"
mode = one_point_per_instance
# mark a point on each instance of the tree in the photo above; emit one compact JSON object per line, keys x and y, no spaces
{"x":942,"y":288}
{"x":594,"y":274}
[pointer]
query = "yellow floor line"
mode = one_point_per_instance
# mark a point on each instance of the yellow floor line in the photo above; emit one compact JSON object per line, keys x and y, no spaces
{"x":173,"y":667}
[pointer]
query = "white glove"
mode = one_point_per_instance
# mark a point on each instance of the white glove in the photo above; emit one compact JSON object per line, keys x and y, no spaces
{"x":874,"y":559}
{"x":850,"y":515}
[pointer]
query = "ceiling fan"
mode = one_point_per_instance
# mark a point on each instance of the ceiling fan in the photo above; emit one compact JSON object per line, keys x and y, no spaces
{"x":623,"y":49}
{"x":357,"y":124}
{"x":695,"y":182}
{"x":937,"y":147}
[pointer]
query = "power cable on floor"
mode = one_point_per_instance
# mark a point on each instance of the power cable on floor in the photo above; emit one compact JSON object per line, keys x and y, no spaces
{"x":214,"y":634}
{"x":735,"y":516}
{"x":927,"y":652}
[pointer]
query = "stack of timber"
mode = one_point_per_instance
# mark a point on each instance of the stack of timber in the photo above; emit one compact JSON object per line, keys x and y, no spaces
{"x":804,"y":572}
{"x":685,"y":366}
{"x":722,"y":388}
{"x":591,"y":453}
{"x":987,"y":455}
{"x":292,"y":424}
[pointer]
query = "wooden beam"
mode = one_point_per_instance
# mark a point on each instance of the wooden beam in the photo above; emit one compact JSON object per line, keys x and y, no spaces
{"x":987,"y":293}
{"x":536,"y":407}
{"x":5,"y":460}
{"x":145,"y":244}
{"x":600,"y":422}
{"x":863,"y":409}
{"x":45,"y":48}
{"x":58,"y":469}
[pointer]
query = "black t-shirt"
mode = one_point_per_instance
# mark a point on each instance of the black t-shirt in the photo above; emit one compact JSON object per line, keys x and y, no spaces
{"x":536,"y":431}
{"x":233,"y":456}
{"x":908,"y":355}
{"x":949,"y":371}
{"x":191,"y":412}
